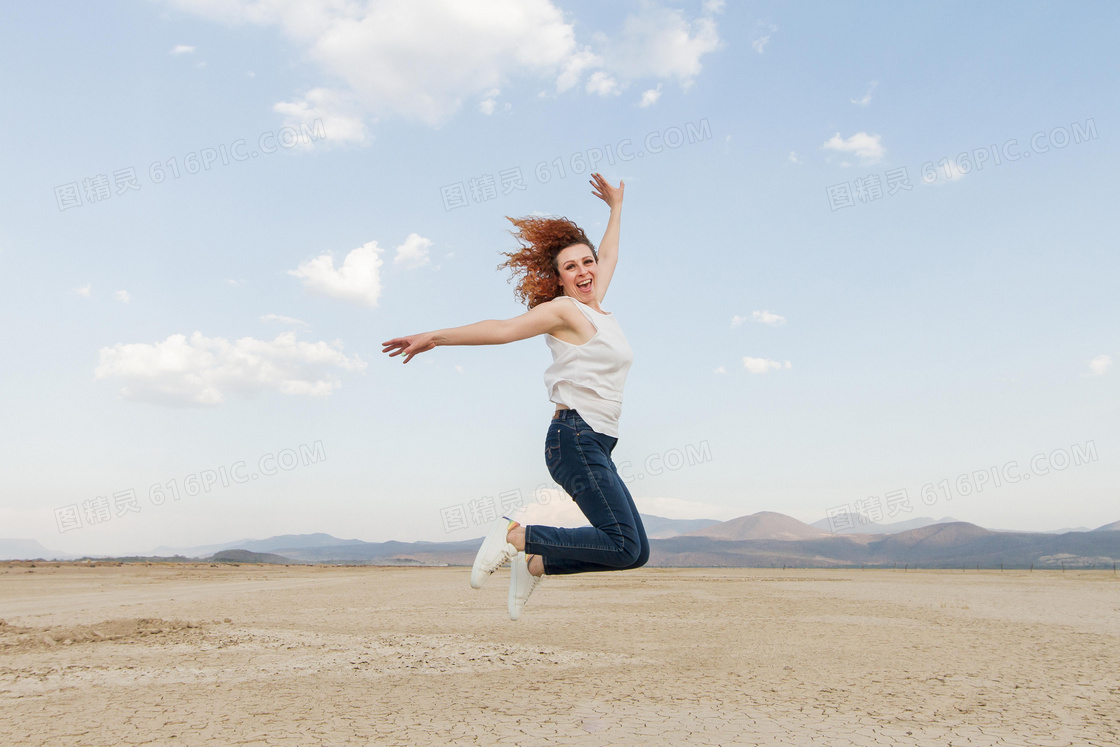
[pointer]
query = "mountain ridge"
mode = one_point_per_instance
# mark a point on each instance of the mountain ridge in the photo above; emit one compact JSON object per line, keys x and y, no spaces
{"x":762,"y":538}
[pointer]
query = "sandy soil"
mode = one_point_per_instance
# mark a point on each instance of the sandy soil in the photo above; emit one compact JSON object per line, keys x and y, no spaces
{"x":275,"y":655}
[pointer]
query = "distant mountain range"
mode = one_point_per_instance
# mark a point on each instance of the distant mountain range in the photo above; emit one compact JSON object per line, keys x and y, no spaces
{"x":766,"y":525}
{"x":938,"y":545}
{"x":849,"y":523}
{"x":19,"y":549}
{"x":762,"y":539}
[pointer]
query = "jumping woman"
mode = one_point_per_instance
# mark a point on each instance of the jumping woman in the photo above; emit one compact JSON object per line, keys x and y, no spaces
{"x":563,"y":282}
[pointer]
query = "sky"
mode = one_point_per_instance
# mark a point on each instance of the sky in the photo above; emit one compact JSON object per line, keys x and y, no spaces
{"x":868,"y":261}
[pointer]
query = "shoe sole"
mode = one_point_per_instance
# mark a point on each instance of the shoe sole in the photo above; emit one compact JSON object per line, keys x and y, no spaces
{"x":516,"y":609}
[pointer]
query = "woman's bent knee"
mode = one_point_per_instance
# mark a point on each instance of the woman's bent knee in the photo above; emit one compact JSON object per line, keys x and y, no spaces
{"x":631,"y":555}
{"x":641,"y":557}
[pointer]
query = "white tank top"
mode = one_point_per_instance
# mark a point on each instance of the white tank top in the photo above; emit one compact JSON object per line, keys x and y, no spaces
{"x":589,"y":378}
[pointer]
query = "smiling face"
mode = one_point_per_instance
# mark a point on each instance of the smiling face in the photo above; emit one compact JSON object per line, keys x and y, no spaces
{"x":576,"y":265}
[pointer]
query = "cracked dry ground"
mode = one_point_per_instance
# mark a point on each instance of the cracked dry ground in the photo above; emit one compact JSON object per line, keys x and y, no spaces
{"x":274,"y":655}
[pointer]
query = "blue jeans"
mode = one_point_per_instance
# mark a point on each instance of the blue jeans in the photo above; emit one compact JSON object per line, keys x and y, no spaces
{"x":579,"y":460}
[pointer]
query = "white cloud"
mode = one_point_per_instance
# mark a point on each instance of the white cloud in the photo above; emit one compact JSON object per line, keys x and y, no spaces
{"x":203,"y":370}
{"x":720,"y":370}
{"x":341,"y":118}
{"x":794,"y":158}
{"x":550,"y":507}
{"x":122,"y":296}
{"x":358,"y":280}
{"x":86,"y":291}
{"x":759,"y":43}
{"x":181,"y":49}
{"x":650,"y":97}
{"x":762,"y":365}
{"x":416,"y":59}
{"x":423,"y":58}
{"x":603,"y":84}
{"x":660,"y":43}
{"x":861,"y":144}
{"x":765,"y":317}
{"x":413,"y":252}
{"x":490,"y":102}
{"x":458,"y":369}
{"x":1099,"y":365}
{"x":867,"y":96}
{"x":282,"y":320}
{"x":231,"y":281}
{"x":577,"y":62}
{"x":947,"y":174}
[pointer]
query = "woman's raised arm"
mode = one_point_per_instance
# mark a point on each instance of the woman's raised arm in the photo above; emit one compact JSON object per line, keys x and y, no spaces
{"x":545,"y":317}
{"x":608,"y":247}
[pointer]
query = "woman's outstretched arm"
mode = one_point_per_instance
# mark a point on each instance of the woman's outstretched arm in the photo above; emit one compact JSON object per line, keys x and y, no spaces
{"x":608,"y":247}
{"x":545,"y":317}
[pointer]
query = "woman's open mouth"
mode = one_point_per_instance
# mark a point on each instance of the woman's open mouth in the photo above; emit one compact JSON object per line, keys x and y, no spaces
{"x":585,"y":286}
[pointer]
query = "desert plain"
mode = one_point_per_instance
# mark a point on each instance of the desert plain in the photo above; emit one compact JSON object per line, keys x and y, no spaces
{"x":223,"y":654}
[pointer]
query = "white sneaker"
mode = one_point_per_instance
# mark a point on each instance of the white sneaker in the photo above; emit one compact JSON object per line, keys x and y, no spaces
{"x":521,"y":585}
{"x":493,"y":554}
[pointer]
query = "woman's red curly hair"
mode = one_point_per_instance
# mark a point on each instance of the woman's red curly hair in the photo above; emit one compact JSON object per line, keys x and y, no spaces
{"x":541,"y":239}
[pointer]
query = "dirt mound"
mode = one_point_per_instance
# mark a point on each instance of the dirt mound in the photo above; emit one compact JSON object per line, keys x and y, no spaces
{"x":14,"y":638}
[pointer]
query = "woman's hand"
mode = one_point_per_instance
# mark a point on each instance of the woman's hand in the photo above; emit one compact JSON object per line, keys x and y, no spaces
{"x":410,"y":346}
{"x":605,"y":192}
